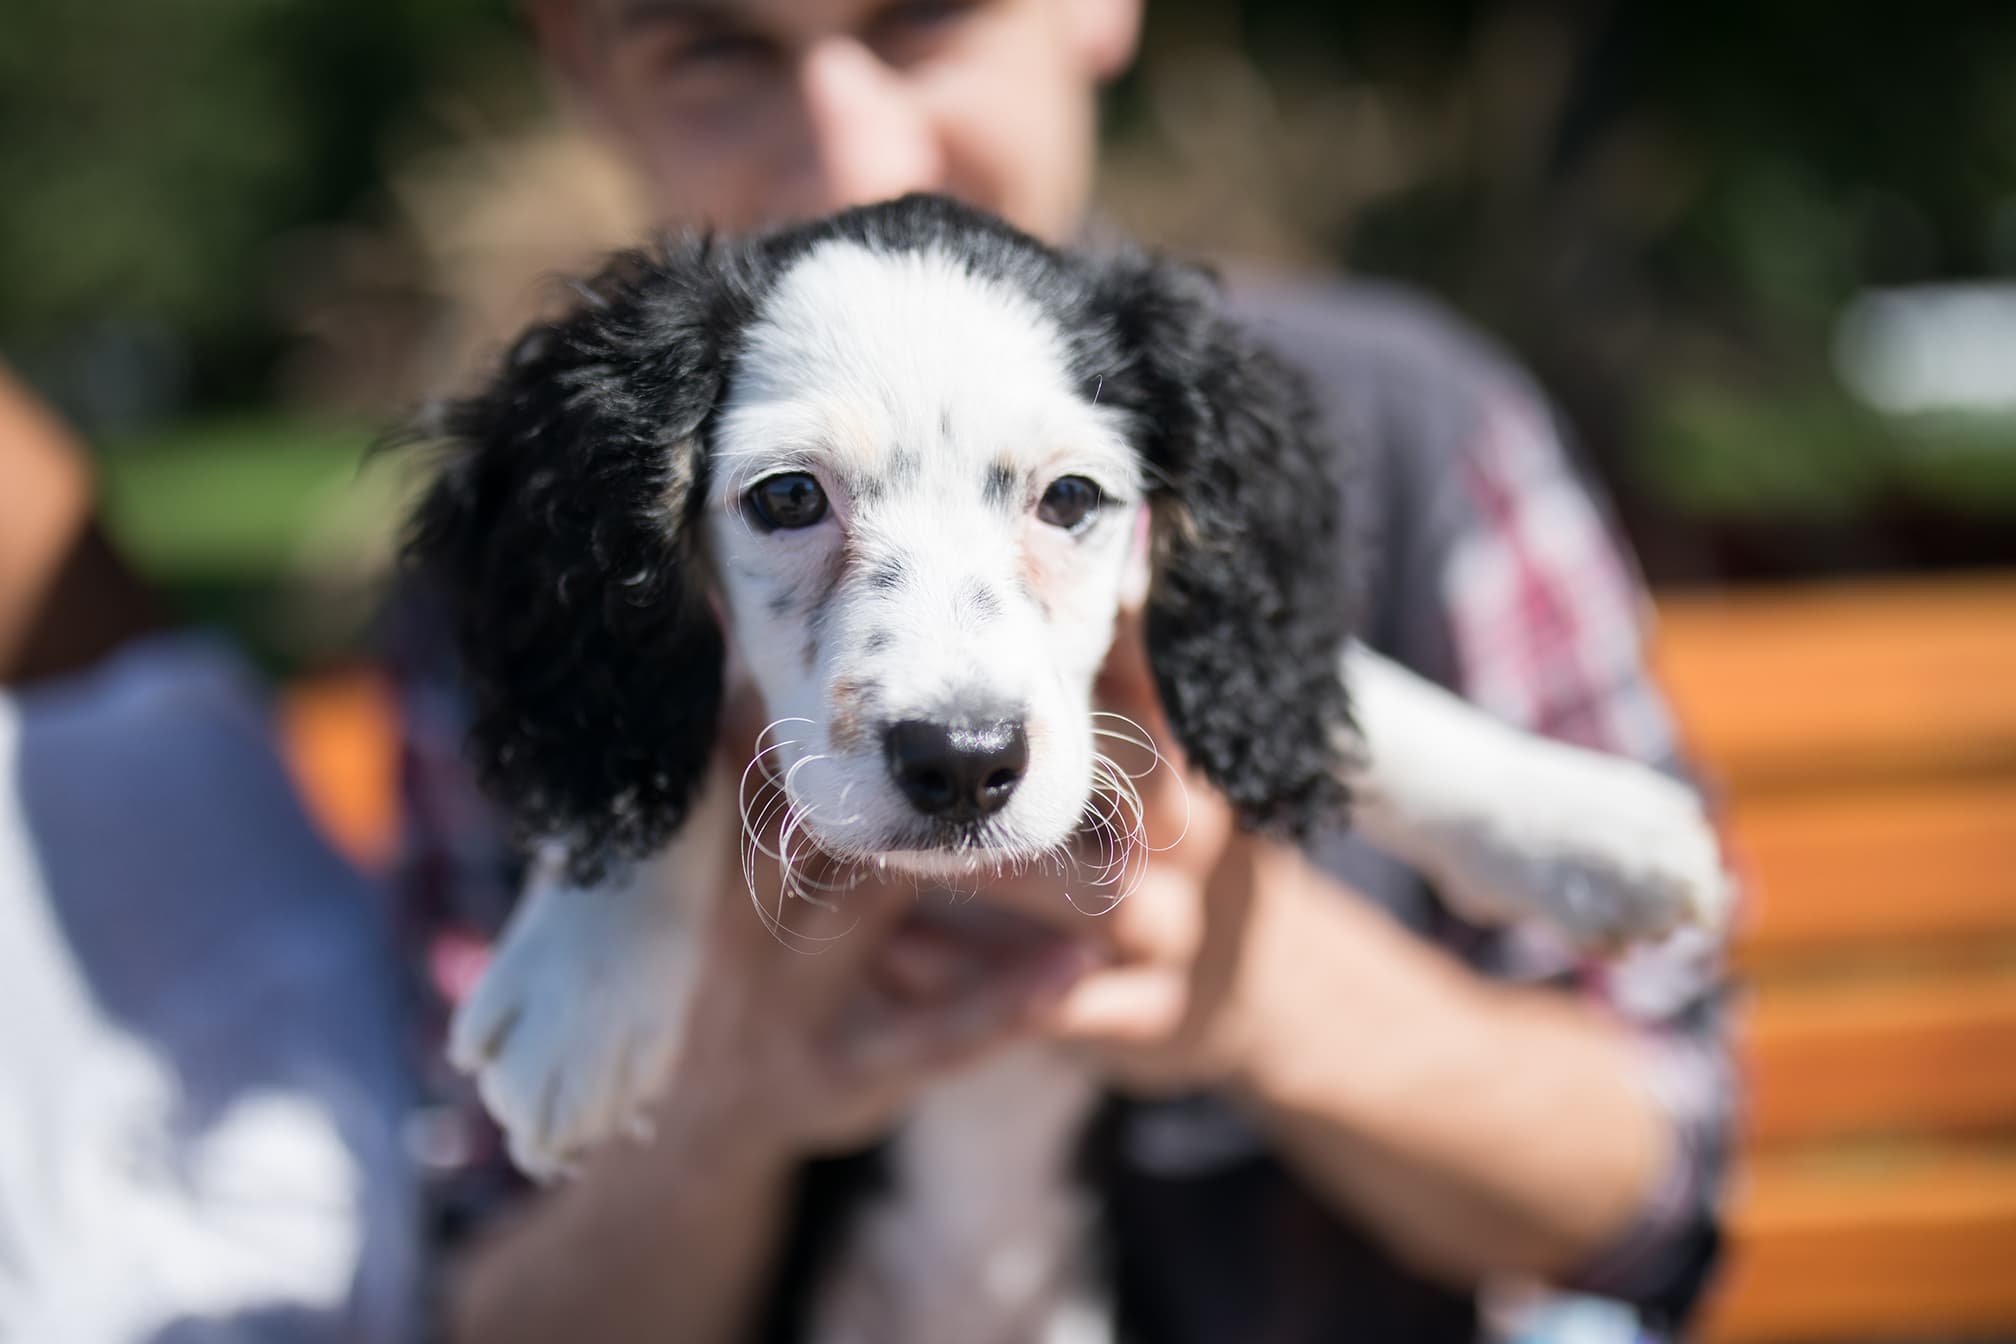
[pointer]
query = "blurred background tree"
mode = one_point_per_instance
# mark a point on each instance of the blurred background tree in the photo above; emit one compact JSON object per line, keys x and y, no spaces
{"x":161,"y":157}
{"x":1667,"y":209}
{"x":239,"y":233}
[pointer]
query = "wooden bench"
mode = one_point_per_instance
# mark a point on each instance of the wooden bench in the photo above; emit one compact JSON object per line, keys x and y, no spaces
{"x":1865,"y":738}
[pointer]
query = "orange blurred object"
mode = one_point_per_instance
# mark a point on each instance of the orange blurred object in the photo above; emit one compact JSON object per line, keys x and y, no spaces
{"x":339,"y":732}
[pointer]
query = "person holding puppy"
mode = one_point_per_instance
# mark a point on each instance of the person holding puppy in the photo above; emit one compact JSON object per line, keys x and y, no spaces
{"x":1500,"y":1111}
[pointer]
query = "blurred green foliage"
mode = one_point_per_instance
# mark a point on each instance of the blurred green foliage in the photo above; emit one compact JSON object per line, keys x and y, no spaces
{"x":152,"y":154}
{"x":1714,"y":453}
{"x":1662,"y":207}
{"x":1665,"y":207}
{"x":207,"y":500}
{"x":272,"y":525}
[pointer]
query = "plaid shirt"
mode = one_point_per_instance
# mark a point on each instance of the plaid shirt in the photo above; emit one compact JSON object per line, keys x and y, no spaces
{"x":1496,"y":572}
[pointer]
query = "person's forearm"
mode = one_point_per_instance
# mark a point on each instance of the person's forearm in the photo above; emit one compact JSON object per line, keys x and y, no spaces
{"x":641,"y":1246}
{"x":1480,"y":1128}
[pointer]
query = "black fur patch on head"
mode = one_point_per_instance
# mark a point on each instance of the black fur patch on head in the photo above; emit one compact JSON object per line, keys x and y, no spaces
{"x":1250,"y":606}
{"x":561,"y":532}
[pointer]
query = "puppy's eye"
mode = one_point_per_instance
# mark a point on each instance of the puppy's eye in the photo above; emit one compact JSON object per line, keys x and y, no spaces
{"x":791,"y":500}
{"x":1071,"y":502}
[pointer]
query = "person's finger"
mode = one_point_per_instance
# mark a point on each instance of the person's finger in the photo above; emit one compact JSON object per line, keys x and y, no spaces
{"x":883,"y":1039}
{"x":1157,"y":916}
{"x":919,"y":964}
{"x":1125,"y":1007}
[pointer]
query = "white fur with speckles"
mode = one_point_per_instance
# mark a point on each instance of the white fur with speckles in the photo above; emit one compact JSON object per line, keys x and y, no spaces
{"x":899,"y":382}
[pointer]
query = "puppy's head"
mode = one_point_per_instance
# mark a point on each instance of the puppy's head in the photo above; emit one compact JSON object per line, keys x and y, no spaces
{"x":896,"y":466}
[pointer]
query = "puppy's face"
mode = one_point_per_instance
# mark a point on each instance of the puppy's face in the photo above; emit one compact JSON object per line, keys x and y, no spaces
{"x":895,"y":465}
{"x":921,"y":523}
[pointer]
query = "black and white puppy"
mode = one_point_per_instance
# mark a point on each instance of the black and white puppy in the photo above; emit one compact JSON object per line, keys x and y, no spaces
{"x":899,"y":470}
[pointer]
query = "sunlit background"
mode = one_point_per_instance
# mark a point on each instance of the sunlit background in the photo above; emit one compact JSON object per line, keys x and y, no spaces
{"x":1763,"y":255}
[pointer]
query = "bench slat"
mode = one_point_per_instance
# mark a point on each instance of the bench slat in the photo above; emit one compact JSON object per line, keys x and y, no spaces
{"x":1923,"y":1054}
{"x":1877,"y":866}
{"x":1778,"y":688}
{"x":1910,"y":1249}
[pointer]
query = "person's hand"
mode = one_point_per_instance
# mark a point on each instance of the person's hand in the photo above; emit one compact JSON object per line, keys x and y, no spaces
{"x":1184,"y":956}
{"x":809,"y":1029}
{"x":815,"y":1022}
{"x":816,"y":1036}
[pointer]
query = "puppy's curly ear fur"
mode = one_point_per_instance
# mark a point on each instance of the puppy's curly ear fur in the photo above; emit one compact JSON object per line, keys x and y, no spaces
{"x":1247,"y":614}
{"x":562,"y":535}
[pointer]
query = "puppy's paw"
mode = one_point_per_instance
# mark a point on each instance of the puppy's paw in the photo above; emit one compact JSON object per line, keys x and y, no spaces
{"x":569,"y":1030}
{"x":1515,"y":827}
{"x":1607,"y":849}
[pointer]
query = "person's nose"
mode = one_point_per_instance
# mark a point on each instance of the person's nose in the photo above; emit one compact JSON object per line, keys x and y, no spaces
{"x":868,"y":136}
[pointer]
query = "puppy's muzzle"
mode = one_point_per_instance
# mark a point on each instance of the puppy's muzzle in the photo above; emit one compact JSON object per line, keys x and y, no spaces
{"x":960,"y":771}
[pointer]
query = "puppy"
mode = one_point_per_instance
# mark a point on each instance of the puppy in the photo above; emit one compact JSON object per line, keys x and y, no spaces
{"x":898,"y":471}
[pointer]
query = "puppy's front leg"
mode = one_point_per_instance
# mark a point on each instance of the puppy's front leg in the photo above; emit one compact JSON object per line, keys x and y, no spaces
{"x":1513,"y":826}
{"x":571,"y":1028}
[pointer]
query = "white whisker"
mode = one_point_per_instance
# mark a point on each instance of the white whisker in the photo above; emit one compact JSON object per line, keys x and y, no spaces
{"x":1143,"y":739}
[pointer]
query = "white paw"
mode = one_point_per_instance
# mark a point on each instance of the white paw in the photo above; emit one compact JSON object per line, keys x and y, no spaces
{"x":1514,"y":827}
{"x":569,"y":1031}
{"x":1607,"y":849}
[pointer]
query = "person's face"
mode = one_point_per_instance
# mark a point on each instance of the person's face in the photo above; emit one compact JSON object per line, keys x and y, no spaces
{"x":744,"y":113}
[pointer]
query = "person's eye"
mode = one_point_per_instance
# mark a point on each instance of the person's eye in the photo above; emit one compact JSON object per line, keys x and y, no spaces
{"x":717,"y":50}
{"x":913,"y":30}
{"x":791,"y":500}
{"x":700,"y":65}
{"x":682,"y":55}
{"x":1071,"y":502}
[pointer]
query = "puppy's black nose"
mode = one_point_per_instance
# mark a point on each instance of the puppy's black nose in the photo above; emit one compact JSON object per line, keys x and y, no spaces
{"x":957,"y":771}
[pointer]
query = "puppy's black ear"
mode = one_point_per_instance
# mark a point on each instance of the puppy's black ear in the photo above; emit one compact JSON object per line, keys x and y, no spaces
{"x":562,"y":536}
{"x":1248,"y":609}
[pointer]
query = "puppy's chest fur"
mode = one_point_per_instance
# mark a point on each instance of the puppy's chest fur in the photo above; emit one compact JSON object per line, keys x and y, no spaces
{"x":982,"y":1235}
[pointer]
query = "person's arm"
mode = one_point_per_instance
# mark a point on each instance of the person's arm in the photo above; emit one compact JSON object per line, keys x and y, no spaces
{"x":637,"y":1246}
{"x":1481,"y":1128}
